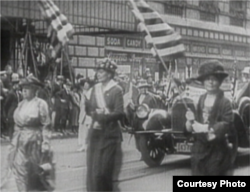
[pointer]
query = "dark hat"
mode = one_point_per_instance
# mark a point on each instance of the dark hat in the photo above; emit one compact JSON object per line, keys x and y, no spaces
{"x":211,"y":67}
{"x":107,"y":64}
{"x":82,"y":80}
{"x":30,"y":80}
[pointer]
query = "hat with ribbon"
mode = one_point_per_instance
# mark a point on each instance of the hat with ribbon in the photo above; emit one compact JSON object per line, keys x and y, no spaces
{"x":107,"y":64}
{"x":30,"y":80}
{"x":143,"y":84}
{"x":211,"y":67}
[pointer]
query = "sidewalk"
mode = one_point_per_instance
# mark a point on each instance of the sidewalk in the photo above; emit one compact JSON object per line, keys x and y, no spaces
{"x":55,"y":135}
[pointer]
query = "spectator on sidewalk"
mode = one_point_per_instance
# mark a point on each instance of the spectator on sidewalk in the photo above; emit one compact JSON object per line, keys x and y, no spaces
{"x":84,"y":119}
{"x":13,"y":97}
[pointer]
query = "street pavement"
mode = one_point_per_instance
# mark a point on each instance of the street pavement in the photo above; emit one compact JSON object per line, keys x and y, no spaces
{"x":134,"y":176}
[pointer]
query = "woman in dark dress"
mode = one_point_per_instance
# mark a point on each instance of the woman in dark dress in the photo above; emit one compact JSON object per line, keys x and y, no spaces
{"x":211,"y":154}
{"x":105,"y":106}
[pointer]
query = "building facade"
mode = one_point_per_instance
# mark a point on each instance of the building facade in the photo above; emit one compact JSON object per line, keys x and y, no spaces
{"x":210,"y":30}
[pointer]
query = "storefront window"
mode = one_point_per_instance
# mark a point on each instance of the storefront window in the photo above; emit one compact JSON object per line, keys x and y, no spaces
{"x":175,"y":7}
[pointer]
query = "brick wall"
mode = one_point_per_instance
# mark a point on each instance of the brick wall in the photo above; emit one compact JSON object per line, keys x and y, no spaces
{"x":85,"y":50}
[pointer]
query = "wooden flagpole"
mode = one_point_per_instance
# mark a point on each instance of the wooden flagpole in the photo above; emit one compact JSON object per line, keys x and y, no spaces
{"x":68,"y":61}
{"x":32,"y":54}
{"x":61,"y":64}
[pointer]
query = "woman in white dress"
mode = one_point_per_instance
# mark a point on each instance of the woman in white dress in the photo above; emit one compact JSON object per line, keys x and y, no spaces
{"x":84,"y":120}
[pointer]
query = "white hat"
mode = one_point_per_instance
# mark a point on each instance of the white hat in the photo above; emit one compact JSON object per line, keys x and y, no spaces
{"x":246,"y":70}
{"x":14,"y":77}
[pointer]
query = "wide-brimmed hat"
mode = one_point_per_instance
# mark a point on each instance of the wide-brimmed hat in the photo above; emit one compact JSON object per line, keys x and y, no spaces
{"x":107,"y":64}
{"x":15,"y":78}
{"x":211,"y":67}
{"x":30,"y":80}
{"x":143,"y":84}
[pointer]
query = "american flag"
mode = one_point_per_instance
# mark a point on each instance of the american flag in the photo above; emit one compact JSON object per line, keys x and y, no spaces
{"x":59,"y":30}
{"x":163,"y":40}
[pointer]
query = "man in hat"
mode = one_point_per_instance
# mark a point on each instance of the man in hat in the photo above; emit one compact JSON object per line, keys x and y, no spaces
{"x":150,"y":82}
{"x":145,"y":96}
{"x":14,"y":96}
{"x":57,"y":86}
{"x":63,"y":116}
{"x":8,"y":76}
{"x":105,"y":106}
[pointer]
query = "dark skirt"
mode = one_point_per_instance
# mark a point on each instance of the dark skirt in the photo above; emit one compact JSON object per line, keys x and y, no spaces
{"x":210,"y":159}
{"x":75,"y":116}
{"x":103,"y":164}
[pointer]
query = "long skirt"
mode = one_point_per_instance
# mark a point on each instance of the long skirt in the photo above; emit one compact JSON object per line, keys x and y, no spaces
{"x":25,"y":157}
{"x":103,"y":164}
{"x":83,"y":131}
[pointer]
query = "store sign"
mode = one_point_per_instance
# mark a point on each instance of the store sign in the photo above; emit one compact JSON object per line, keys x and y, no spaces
{"x":199,"y":49}
{"x":133,"y":43}
{"x":114,"y":41}
{"x":119,"y":57}
{"x":226,"y":52}
{"x":239,"y":53}
{"x":213,"y":50}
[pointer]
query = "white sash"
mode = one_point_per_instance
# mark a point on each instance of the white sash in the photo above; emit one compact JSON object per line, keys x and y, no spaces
{"x":99,"y":95}
{"x":100,"y":100}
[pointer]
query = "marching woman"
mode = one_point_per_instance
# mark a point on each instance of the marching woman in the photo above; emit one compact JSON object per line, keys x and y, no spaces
{"x":211,"y":154}
{"x":30,"y":138}
{"x":105,"y":106}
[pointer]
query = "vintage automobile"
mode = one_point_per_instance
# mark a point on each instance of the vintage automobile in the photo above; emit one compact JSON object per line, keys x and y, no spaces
{"x":159,"y":128}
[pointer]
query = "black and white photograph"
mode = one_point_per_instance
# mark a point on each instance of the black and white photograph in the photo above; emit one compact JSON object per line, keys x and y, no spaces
{"x":125,"y":95}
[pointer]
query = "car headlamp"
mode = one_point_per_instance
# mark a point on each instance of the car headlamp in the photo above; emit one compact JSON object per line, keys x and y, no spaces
{"x":142,"y":111}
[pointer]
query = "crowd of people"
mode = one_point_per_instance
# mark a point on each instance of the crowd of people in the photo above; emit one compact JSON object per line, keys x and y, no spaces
{"x":62,"y":96}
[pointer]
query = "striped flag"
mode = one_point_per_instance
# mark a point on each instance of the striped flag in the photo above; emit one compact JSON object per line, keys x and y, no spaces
{"x":163,"y":40}
{"x":59,"y":30}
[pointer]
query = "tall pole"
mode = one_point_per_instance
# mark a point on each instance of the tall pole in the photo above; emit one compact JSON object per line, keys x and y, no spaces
{"x":132,"y":67}
{"x":61,"y":64}
{"x":32,"y":54}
